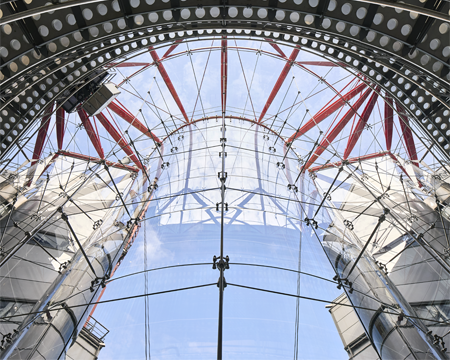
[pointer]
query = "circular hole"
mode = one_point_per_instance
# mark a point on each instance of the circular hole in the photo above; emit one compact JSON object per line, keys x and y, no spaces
{"x":434,"y":44}
{"x":446,"y":51}
{"x":232,"y":12}
{"x":150,"y":2}
{"x":346,"y":8}
{"x":294,"y":17}
{"x":354,"y":30}
{"x":185,"y":13}
{"x":52,"y":47}
{"x":340,"y":26}
{"x":87,"y":14}
{"x":313,"y":3}
{"x":94,"y":31}
{"x":102,"y":9}
{"x":413,"y":15}
{"x":13,"y":67}
{"x":361,"y":13}
{"x":121,"y":23}
{"x":134,"y":3}
{"x":378,"y":19}
{"x":7,"y":29}
{"x":215,"y":12}
{"x":437,"y":66}
{"x":57,"y":25}
{"x":406,"y":29}
{"x":384,"y":40}
{"x":413,"y":54}
{"x":25,"y":60}
{"x":248,"y":12}
{"x":279,"y":15}
{"x":153,"y":17}
{"x":424,"y":59}
{"x":443,"y":28}
{"x":332,"y":5}
{"x":325,"y":24}
{"x":397,"y":46}
{"x":43,"y":30}
{"x":167,"y":15}
{"x":262,"y":13}
{"x":115,"y":6}
{"x":139,"y":20}
{"x":64,"y":41}
{"x":107,"y":27}
{"x":309,"y":19}
{"x":3,"y":51}
{"x":392,"y":24}
{"x":371,"y":35}
{"x":15,"y":44}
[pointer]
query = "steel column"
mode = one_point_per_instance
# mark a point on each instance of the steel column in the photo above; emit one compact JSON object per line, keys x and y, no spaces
{"x":42,"y":134}
{"x":168,"y":82}
{"x":119,"y":139}
{"x":388,"y":120}
{"x":279,"y":82}
{"x":337,"y":129}
{"x":407,"y":133}
{"x":60,"y":127}
{"x":324,"y":113}
{"x":354,"y":137}
{"x":93,"y":136}
{"x":128,"y":117}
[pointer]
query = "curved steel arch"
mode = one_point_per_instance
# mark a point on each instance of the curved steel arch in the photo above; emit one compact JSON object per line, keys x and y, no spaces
{"x":38,"y":53}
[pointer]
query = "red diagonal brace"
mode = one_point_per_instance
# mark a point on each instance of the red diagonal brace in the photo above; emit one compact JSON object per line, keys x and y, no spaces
{"x":168,"y":82}
{"x":349,"y":161}
{"x":119,"y":139}
{"x":128,"y":117}
{"x":60,"y":127}
{"x":91,"y":133}
{"x":224,"y":73}
{"x":388,"y":121}
{"x":128,"y":64}
{"x":279,"y":82}
{"x":337,"y":129}
{"x":172,"y":48}
{"x":354,"y":137}
{"x":324,"y":113}
{"x":42,"y":134}
{"x":407,"y":133}
{"x":276,"y":47}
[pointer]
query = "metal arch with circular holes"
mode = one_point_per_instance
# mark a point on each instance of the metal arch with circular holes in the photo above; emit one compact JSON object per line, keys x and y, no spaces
{"x":47,"y":48}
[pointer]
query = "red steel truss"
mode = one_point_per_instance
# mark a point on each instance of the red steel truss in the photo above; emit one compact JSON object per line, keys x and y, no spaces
{"x":93,"y":136}
{"x":279,"y":82}
{"x":166,"y":78}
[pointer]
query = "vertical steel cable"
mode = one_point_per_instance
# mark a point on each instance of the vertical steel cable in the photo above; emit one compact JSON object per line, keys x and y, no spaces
{"x":146,"y":299}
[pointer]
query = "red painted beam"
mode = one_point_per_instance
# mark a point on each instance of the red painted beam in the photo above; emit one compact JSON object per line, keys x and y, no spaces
{"x":350,"y":161}
{"x":279,"y":82}
{"x":119,"y":139}
{"x":324,"y":113}
{"x":337,"y":129}
{"x":168,"y":82}
{"x":128,"y":117}
{"x":354,"y":137}
{"x":60,"y":127}
{"x":95,"y":139}
{"x":407,"y":133}
{"x":172,"y":48}
{"x":224,"y":73}
{"x":42,"y":134}
{"x":388,"y":120}
{"x":96,"y":160}
{"x":276,"y":47}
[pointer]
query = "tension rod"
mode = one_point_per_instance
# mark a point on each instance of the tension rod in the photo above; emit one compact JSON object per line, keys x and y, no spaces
{"x":115,"y":186}
{"x":139,"y":157}
{"x":438,"y":203}
{"x":380,"y":221}
{"x":66,"y":219}
{"x":309,"y":156}
{"x":328,"y":191}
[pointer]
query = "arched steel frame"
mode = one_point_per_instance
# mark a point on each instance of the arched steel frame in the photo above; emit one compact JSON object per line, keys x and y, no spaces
{"x":397,"y":46}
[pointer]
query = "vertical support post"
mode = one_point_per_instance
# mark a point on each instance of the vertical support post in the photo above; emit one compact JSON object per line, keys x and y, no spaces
{"x":60,"y":123}
{"x":42,"y":134}
{"x":388,"y":121}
